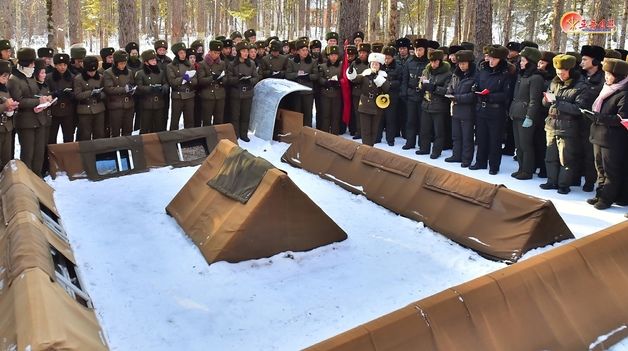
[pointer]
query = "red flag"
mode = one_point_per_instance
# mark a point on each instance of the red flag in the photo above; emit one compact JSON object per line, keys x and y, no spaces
{"x":345,"y":87}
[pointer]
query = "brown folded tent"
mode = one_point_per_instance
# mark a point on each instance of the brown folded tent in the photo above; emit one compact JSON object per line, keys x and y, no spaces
{"x":238,"y":207}
{"x":114,"y":157}
{"x":574,"y":297}
{"x":42,"y":302}
{"x":494,"y":221}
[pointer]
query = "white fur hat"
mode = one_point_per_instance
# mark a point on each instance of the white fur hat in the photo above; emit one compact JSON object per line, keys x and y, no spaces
{"x":377,"y":57}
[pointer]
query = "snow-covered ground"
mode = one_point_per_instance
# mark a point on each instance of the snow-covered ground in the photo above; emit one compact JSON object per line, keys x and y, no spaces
{"x":153,"y":290}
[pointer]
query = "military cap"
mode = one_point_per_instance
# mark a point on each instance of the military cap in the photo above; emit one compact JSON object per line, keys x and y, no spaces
{"x":513,"y":46}
{"x":315,"y":44}
{"x":623,"y":53}
{"x":420,"y":43}
{"x":261,"y":44}
{"x":227,"y":43}
{"x":149,"y":55}
{"x":215,"y":45}
{"x":610,"y":53}
{"x":564,"y":61}
{"x":433,"y":44}
{"x":467,"y":45}
{"x":235,"y":34}
{"x":436,"y":55}
{"x":276,"y":45}
{"x":190,"y":52}
{"x":26,"y":54}
{"x":196,"y":43}
{"x":465,"y":56}
{"x":242,"y":45}
{"x":131,"y":46}
{"x":61,"y":58}
{"x":40,"y":64}
{"x":160,"y":44}
{"x":358,"y":34}
{"x":270,"y":39}
{"x":352,"y":50}
{"x":104,"y":52}
{"x":615,"y":66}
{"x":178,"y":47}
{"x":528,"y":44}
{"x":377,"y":47}
{"x":377,"y":57}
{"x":302,"y":43}
{"x":444,"y":49}
{"x":250,"y":33}
{"x":454,"y":49}
{"x":498,"y":51}
{"x":402,"y":43}
{"x":593,"y":51}
{"x":364,"y":47}
{"x":78,"y":52}
{"x":90,"y":63}
{"x":120,"y":56}
{"x":5,"y":67}
{"x":389,"y":50}
{"x":576,"y":55}
{"x":292,"y":45}
{"x":304,"y":38}
{"x":285,"y":42}
{"x":547,"y":56}
{"x":532,"y":54}
{"x":332,"y":49}
{"x":5,"y":44}
{"x":45,"y":52}
{"x":486,"y":49}
{"x":220,"y":38}
{"x":331,"y":35}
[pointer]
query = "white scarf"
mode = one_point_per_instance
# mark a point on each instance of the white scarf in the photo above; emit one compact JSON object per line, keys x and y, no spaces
{"x":27,"y":71}
{"x":607,"y":91}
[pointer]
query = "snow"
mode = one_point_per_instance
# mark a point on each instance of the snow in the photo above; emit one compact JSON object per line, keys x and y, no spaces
{"x":153,"y":290}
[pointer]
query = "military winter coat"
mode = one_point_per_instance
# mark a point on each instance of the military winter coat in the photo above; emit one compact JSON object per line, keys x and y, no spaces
{"x":211,"y":87}
{"x":175,"y":72}
{"x":606,"y":129}
{"x":27,"y":92}
{"x":163,"y":62}
{"x":497,"y":80}
{"x":152,"y":87}
{"x":359,"y":66}
{"x":6,"y":122}
{"x":330,"y":88}
{"x":62,"y":88}
{"x":242,"y":89}
{"x":594,"y":85}
{"x":115,"y":82}
{"x":461,"y":87}
{"x":527,"y":96}
{"x":307,"y":65}
{"x":564,"y":113}
{"x":274,"y":67}
{"x":434,"y":91}
{"x":88,"y":104}
{"x":394,"y":71}
{"x":411,"y":77}
{"x":369,"y":92}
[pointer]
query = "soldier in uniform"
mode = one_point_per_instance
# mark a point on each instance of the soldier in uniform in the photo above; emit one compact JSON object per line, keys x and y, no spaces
{"x":250,"y":36}
{"x":331,"y":96}
{"x":161,"y":48}
{"x":236,"y":37}
{"x":410,"y":78}
{"x":61,"y":84}
{"x":211,"y":77}
{"x":546,"y":67}
{"x":377,"y":47}
{"x":433,"y":85}
{"x":183,"y":88}
{"x":372,"y":83}
{"x":303,"y":70}
{"x":190,"y":55}
{"x":5,"y":51}
{"x":562,"y":124}
{"x":452,"y":55}
{"x":402,"y":57}
{"x":463,"y":108}
{"x":358,"y":38}
{"x":227,"y":47}
{"x":315,"y":52}
{"x":152,"y":91}
{"x":241,"y":77}
{"x":198,"y":48}
{"x":46,"y":54}
{"x":394,"y":70}
{"x":274,"y":65}
{"x":285,"y":47}
{"x":592,"y":57}
{"x":514,"y":48}
{"x":359,"y":65}
{"x":119,"y":83}
{"x":107,"y":59}
{"x":88,"y":91}
{"x":27,"y":87}
{"x":8,"y":107}
{"x":77,"y":54}
{"x":261,"y":50}
{"x":134,"y":63}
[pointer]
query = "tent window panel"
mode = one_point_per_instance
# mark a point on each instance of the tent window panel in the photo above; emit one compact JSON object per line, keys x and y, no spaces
{"x":68,"y":277}
{"x":114,"y":162}
{"x":53,"y":222}
{"x":192,"y":150}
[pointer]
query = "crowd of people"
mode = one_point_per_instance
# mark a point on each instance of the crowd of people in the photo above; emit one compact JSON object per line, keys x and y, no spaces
{"x":559,"y":114}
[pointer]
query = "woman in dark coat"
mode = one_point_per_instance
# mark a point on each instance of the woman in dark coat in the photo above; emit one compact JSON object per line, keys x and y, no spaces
{"x":608,"y":136}
{"x":546,"y":67}
{"x":8,"y":107}
{"x":463,"y":108}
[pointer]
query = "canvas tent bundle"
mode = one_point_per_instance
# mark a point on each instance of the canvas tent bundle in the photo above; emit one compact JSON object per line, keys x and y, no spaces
{"x":42,"y":302}
{"x":113,"y":157}
{"x":494,"y":221}
{"x":569,"y":298}
{"x":238,"y":207}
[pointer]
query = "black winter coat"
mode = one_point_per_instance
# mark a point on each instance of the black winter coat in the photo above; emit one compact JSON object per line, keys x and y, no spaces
{"x":412,"y":71}
{"x":606,"y":129}
{"x":527,"y":96}
{"x":463,"y":104}
{"x":497,"y":80}
{"x":564,"y":113}
{"x":394,"y":71}
{"x":434,"y":91}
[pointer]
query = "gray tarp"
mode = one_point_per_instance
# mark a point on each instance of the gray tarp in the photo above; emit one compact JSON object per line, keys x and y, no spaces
{"x":268,"y":94}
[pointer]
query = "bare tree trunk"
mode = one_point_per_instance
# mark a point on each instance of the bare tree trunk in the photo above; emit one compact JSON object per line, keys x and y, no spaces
{"x":532,"y":20}
{"x":50,"y":25}
{"x":373,"y":20}
{"x":601,"y":9}
{"x":6,"y":28}
{"x":74,"y":21}
{"x":127,"y":22}
{"x":439,"y":18}
{"x":458,"y":24}
{"x":624,"y":25}
{"x":429,"y":19}
{"x":393,"y":20}
{"x":557,"y":12}
{"x":201,"y":20}
{"x":469,"y":19}
{"x":483,"y":25}
{"x":508,"y":22}
{"x":176,"y":11}
{"x":153,"y":15}
{"x":349,"y":21}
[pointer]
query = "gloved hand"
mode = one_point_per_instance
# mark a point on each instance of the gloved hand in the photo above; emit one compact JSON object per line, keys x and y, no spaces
{"x":129,"y":89}
{"x":379,"y":80}
{"x":67,"y":92}
{"x":334,"y":78}
{"x":350,"y":70}
{"x":186,"y":78}
{"x":528,"y":122}
{"x":222,"y":74}
{"x":96,"y":92}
